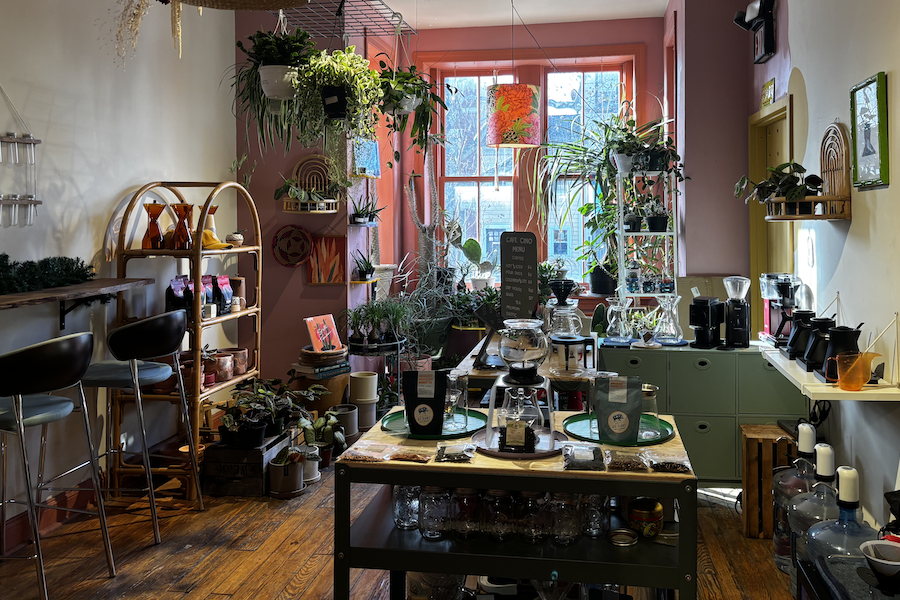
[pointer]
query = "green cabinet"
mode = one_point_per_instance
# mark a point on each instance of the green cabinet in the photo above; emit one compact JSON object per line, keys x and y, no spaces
{"x":710,"y":393}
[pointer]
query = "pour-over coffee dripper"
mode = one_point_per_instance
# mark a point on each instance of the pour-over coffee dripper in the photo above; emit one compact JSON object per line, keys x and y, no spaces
{"x":561,"y":288}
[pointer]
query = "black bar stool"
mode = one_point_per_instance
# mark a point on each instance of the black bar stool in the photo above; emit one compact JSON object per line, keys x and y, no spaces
{"x":38,"y":369}
{"x":154,"y":337}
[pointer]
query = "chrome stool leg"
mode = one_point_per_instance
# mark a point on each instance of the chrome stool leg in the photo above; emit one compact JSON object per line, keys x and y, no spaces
{"x":186,"y":421}
{"x":29,"y":491}
{"x":145,"y":450}
{"x":95,"y":477}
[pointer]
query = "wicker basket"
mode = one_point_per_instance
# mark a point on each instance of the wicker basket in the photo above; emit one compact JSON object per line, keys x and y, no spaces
{"x":247,"y":4}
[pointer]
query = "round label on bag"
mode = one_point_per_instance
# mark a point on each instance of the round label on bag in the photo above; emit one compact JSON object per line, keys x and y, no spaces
{"x":423,"y":414}
{"x":617,"y":422}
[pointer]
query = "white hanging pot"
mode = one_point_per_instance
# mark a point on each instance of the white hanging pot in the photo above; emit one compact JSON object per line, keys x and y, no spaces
{"x":277,"y":81}
{"x":623,"y":162}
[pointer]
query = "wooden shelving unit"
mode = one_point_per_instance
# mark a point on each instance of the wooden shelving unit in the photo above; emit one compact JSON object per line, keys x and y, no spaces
{"x":198,"y":396}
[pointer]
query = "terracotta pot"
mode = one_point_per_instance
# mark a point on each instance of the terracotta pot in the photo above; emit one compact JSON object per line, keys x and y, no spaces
{"x":241,"y":357}
{"x":224,"y":366}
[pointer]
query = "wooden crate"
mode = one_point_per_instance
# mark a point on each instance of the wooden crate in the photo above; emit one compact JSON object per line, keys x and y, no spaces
{"x":236,"y":472}
{"x":762,"y":453}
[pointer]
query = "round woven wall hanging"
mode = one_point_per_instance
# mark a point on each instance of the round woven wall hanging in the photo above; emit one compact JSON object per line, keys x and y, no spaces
{"x":292,"y":245}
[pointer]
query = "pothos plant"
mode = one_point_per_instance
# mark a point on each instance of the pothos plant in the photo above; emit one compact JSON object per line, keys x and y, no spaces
{"x":787,"y":180}
{"x":339,"y":69}
{"x":410,"y":100}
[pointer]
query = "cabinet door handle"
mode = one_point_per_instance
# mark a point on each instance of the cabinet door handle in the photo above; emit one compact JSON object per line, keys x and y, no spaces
{"x":634,"y":362}
{"x":702,"y":427}
{"x":702,"y":364}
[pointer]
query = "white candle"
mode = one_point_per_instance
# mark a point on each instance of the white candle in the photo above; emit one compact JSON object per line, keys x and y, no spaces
{"x":806,"y":438}
{"x":824,"y":460}
{"x":848,"y":484}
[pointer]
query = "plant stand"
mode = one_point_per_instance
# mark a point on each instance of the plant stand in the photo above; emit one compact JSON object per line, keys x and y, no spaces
{"x":234,"y":472}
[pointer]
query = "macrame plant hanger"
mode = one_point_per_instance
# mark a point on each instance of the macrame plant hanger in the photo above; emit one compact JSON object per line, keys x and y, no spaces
{"x":17,"y":150}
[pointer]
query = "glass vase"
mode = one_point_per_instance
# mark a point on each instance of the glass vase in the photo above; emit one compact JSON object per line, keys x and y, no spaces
{"x":619,"y":329}
{"x":668,"y":331}
{"x":181,"y":239}
{"x":153,"y":237}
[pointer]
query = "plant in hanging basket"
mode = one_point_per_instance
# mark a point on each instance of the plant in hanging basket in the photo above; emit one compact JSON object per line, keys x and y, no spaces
{"x":410,"y":100}
{"x":276,"y":119}
{"x":344,"y":76}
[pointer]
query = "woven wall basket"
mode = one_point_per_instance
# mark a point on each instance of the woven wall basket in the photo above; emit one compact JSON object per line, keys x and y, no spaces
{"x":247,"y":4}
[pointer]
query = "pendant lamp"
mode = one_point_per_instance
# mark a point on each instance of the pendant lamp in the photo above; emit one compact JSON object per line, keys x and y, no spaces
{"x":514,"y":119}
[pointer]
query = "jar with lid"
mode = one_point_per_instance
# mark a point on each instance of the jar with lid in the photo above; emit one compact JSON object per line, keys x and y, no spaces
{"x":645,"y":515}
{"x":594,"y":515}
{"x":633,"y":278}
{"x":406,"y":506}
{"x":499,"y":515}
{"x":531,"y":516}
{"x":465,"y":513}
{"x":434,"y":512}
{"x":565,"y":521}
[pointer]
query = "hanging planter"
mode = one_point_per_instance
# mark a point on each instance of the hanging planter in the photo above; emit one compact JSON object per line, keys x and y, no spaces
{"x":277,"y":81}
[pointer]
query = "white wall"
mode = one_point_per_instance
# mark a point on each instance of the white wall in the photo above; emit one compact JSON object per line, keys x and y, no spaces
{"x":835,"y":45}
{"x":107,"y":130}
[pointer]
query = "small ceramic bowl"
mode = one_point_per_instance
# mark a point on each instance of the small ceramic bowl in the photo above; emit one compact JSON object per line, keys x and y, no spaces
{"x":883,"y":557}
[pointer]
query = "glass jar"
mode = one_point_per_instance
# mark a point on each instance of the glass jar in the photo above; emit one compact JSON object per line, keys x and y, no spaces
{"x":633,"y":278}
{"x":29,"y":148}
{"x":523,"y":344}
{"x":434,"y":512}
{"x":565,"y":521}
{"x":499,"y":515}
{"x":531,"y":516}
{"x":181,"y":239}
{"x":406,"y":506}
{"x":456,"y":413}
{"x":648,"y":284}
{"x":465,"y":513}
{"x":618,"y":329}
{"x":668,"y":331}
{"x":594,"y":515}
{"x":12,"y":148}
{"x":153,"y":237}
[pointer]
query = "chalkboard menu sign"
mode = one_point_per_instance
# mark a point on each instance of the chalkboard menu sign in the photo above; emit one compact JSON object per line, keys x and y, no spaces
{"x":518,"y":265}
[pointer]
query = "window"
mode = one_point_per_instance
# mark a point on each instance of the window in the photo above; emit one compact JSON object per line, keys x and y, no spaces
{"x":483,"y":210}
{"x":576,"y":101}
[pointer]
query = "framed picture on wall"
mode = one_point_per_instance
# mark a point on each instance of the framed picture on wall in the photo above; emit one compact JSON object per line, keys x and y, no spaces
{"x":327,"y":262}
{"x":868,"y":118}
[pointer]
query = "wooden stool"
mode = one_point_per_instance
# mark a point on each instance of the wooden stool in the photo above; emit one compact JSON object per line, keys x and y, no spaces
{"x":765,"y":447}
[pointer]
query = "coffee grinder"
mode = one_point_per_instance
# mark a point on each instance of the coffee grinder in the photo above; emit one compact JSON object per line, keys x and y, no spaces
{"x":706,"y":314}
{"x":737,"y":313}
{"x":786,"y":286}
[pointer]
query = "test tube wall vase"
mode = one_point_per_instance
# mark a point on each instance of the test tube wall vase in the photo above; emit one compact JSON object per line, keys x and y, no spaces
{"x":153,"y":238}
{"x":181,"y":239}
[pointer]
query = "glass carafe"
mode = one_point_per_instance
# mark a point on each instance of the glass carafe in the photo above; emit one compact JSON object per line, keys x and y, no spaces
{"x":181,"y":239}
{"x":668,"y":331}
{"x":153,"y":237}
{"x":619,"y":329}
{"x":519,"y":419}
{"x":564,"y":319}
{"x":523,"y":344}
{"x":211,"y":220}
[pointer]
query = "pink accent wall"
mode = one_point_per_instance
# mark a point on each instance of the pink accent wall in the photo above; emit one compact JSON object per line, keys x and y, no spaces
{"x":779,"y":66}
{"x":286,"y":297}
{"x":712,"y":70}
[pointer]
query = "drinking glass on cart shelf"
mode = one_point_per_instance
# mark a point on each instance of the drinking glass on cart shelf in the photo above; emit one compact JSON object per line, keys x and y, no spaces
{"x":456,"y":410}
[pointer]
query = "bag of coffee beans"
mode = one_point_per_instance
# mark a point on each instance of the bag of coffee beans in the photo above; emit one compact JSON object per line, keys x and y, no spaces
{"x":617,"y":405}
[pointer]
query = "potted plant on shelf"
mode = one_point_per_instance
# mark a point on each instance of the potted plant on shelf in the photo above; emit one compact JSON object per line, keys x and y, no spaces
{"x":243,"y":429}
{"x":325,"y":433}
{"x":787,"y":180}
{"x":409,"y":100}
{"x":471,"y":249}
{"x":274,"y":58}
{"x":366,"y":211}
{"x":364,"y":267}
{"x":632,"y":220}
{"x":657,"y":216}
{"x":323,"y":199}
{"x":337,"y":90}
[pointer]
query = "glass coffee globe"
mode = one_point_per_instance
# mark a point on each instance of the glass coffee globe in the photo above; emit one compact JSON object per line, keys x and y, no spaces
{"x":523,"y":344}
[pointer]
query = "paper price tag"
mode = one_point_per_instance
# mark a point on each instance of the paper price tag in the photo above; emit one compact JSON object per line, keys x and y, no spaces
{"x":425,"y":387}
{"x":618,"y":390}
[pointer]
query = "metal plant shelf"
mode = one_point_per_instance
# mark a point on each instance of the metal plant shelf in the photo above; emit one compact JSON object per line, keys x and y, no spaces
{"x":360,"y":17}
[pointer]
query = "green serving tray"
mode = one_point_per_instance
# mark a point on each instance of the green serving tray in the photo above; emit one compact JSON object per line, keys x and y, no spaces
{"x":393,"y":423}
{"x":579,"y":427}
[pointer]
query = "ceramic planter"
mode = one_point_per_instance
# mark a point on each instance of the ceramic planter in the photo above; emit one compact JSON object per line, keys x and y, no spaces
{"x":657,"y":224}
{"x":363,"y":384}
{"x":347,"y":416}
{"x":277,"y":81}
{"x":311,"y":467}
{"x":480,"y":283}
{"x":286,"y":481}
{"x":623,"y":163}
{"x":224,"y":369}
{"x":366,"y":412}
{"x":634,"y":225}
{"x":325,"y":452}
{"x":240,"y":359}
{"x":602,"y":283}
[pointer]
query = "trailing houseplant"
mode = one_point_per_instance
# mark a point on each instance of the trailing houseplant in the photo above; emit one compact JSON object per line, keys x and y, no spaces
{"x":337,"y":90}
{"x":787,"y":180}
{"x":276,"y":119}
{"x":292,"y":189}
{"x":410,"y":100}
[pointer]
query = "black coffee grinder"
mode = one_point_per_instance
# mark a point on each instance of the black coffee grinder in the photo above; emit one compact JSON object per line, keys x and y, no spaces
{"x":737,"y":313}
{"x":707,"y":313}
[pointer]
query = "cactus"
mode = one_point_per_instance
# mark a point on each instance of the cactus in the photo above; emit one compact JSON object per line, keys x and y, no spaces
{"x":599,"y":321}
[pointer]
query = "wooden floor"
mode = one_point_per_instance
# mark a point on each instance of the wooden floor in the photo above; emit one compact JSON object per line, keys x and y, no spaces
{"x":261,"y":549}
